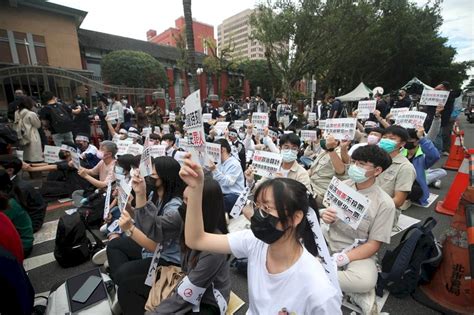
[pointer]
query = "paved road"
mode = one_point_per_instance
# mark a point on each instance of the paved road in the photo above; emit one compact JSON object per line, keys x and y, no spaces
{"x":44,"y":272}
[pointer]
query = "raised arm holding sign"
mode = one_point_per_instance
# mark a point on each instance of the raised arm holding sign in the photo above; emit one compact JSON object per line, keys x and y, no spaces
{"x":434,"y":97}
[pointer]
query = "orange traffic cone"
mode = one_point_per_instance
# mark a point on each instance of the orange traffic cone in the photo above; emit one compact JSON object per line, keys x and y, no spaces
{"x":452,"y":285}
{"x":456,"y":152}
{"x":461,"y":181}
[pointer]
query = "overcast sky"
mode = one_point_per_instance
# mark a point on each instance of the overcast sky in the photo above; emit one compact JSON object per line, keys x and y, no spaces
{"x":134,"y":18}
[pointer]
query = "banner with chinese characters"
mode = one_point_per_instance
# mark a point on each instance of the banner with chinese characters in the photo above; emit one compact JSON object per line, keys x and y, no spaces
{"x":312,"y":117}
{"x":309,"y":135}
{"x":213,"y":151}
{"x":193,"y":121}
{"x":51,"y":154}
{"x":411,"y":119}
{"x":341,"y":128}
{"x":157,"y":150}
{"x":350,"y":205}
{"x":266,"y":164}
{"x":206,"y":117}
{"x":434,"y":97}
{"x":260,"y":120}
{"x":364,"y":108}
{"x":397,"y":111}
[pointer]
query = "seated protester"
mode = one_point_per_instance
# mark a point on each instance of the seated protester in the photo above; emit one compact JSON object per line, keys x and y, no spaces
{"x":104,"y":170}
{"x":31,"y":199}
{"x":228,"y":174}
{"x":397,"y":180}
{"x":357,"y":266}
{"x":130,"y":257}
{"x":238,"y":149}
{"x":289,"y":145}
{"x":135,"y":135}
{"x":169,"y":140}
{"x":155,"y":139}
{"x":9,"y":237}
{"x":311,"y":150}
{"x":373,"y":137}
{"x":204,"y":270}
{"x":422,"y":153}
{"x":250,"y":140}
{"x":269,"y":140}
{"x":283,"y":272}
{"x":326,"y":165}
{"x":63,"y":178}
{"x":18,"y":216}
{"x":89,"y":158}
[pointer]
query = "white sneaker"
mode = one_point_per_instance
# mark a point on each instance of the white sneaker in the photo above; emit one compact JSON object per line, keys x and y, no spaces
{"x":103,"y":228}
{"x":445,"y":153}
{"x":437,"y":184}
{"x":100,"y":257}
{"x":366,"y":302}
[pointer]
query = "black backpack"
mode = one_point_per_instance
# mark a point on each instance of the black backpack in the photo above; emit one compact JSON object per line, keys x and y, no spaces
{"x":73,"y":247}
{"x":412,"y":262}
{"x":61,"y":121}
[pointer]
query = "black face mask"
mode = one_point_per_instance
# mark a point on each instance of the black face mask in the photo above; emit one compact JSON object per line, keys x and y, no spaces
{"x":265,"y":228}
{"x":322,"y":144}
{"x":150,"y":183}
{"x":410,"y":145}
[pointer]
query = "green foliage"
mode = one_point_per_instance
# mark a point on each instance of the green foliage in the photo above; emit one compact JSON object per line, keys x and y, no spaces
{"x":380,"y":42}
{"x":133,"y":69}
{"x":234,"y":88}
{"x":256,"y":71}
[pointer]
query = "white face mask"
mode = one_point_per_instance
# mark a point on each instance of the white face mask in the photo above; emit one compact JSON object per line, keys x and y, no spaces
{"x":109,"y":100}
{"x":125,"y":102}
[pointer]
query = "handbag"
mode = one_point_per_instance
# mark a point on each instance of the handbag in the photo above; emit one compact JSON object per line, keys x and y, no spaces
{"x":168,"y":278}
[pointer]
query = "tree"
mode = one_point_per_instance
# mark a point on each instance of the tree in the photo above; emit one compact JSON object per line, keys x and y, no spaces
{"x":256,"y":71}
{"x":133,"y":69}
{"x":188,"y":20}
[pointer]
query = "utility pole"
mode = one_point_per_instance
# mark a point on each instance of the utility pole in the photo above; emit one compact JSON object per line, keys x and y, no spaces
{"x":313,"y":91}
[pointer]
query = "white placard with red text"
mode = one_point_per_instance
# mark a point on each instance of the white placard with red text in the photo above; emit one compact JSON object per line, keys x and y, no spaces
{"x":341,"y":128}
{"x":434,"y":97}
{"x":309,"y":135}
{"x":365,"y":108}
{"x":266,"y":164}
{"x":411,"y":119}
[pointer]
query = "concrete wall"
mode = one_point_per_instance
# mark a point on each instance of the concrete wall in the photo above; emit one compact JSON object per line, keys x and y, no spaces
{"x":60,"y":32}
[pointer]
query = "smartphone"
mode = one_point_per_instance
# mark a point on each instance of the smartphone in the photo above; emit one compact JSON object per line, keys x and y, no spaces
{"x":86,"y":290}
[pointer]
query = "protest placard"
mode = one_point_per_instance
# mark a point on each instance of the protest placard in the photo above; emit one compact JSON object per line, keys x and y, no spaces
{"x":309,"y":135}
{"x":213,"y":150}
{"x":221,"y":126}
{"x":206,"y":117}
{"x":135,"y":149}
{"x":322,"y":124}
{"x":146,"y":131}
{"x":107,"y":200}
{"x":260,"y":119}
{"x":76,"y":160}
{"x":240,"y":203}
{"x":434,"y":97}
{"x":341,"y":128}
{"x":112,"y":115}
{"x":237,"y":124}
{"x":364,"y":108}
{"x":312,"y":117}
{"x":396,"y":111}
{"x":172,"y":116}
{"x":350,"y":205}
{"x":124,"y":189}
{"x":51,"y":154}
{"x":166,"y":128}
{"x":157,"y":130}
{"x":122,"y":146}
{"x":193,"y":121}
{"x":411,"y":119}
{"x":157,"y":150}
{"x":145,"y":160}
{"x":266,"y":164}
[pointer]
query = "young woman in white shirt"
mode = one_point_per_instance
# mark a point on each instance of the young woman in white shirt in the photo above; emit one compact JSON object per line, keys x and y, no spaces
{"x":283,"y":273}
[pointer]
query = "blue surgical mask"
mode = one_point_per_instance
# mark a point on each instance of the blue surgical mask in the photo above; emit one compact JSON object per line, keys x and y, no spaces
{"x":289,"y":155}
{"x":357,"y":174}
{"x":388,"y":145}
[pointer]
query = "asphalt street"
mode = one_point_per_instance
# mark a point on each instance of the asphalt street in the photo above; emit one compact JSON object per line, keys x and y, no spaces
{"x":44,"y":271}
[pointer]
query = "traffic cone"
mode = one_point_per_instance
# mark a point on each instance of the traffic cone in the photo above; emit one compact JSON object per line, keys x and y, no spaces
{"x":461,"y":181}
{"x":456,"y":152}
{"x":452,"y":285}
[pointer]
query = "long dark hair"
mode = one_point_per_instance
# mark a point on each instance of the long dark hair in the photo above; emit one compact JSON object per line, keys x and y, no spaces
{"x":167,"y":169}
{"x":212,"y":212}
{"x":25,"y":102}
{"x":291,"y":196}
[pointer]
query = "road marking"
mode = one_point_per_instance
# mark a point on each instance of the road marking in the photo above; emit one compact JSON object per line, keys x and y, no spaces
{"x":46,"y":233}
{"x":38,"y":261}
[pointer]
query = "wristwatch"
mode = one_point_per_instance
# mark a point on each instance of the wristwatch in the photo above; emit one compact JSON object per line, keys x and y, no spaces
{"x":129,"y":233}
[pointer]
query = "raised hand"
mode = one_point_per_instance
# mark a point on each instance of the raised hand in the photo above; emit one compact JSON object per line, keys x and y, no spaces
{"x":191,"y":173}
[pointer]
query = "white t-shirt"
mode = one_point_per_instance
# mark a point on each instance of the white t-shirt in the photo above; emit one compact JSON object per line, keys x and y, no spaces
{"x":304,"y":288}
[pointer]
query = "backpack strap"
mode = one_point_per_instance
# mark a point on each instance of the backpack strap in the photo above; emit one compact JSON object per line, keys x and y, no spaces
{"x":97,"y":240}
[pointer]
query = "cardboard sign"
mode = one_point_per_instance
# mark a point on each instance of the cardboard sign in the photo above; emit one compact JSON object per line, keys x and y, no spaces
{"x":51,"y":154}
{"x":166,"y":128}
{"x":351,"y":205}
{"x":240,"y":203}
{"x":145,"y":160}
{"x":172,"y":116}
{"x":309,"y":135}
{"x":123,"y":145}
{"x":206,"y":117}
{"x":266,"y":164}
{"x":341,"y":128}
{"x":312,"y":117}
{"x":146,"y":131}
{"x":396,"y":111}
{"x":260,"y":119}
{"x":135,"y":149}
{"x":322,"y":124}
{"x":213,"y":151}
{"x":221,"y":126}
{"x":237,"y":124}
{"x":112,"y":115}
{"x":364,"y":108}
{"x":434,"y":97}
{"x":411,"y":119}
{"x":157,"y":150}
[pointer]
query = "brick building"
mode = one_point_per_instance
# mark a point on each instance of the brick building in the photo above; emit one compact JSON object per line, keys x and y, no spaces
{"x":202,"y":32}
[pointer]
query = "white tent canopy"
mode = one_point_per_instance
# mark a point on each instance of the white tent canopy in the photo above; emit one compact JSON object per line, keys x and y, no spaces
{"x":360,"y":92}
{"x":416,"y":80}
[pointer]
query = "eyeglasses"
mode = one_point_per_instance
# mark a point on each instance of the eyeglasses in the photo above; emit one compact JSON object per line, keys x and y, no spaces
{"x":263,"y":209}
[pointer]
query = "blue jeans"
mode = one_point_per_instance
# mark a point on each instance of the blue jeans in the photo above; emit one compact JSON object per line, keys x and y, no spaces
{"x":115,"y":213}
{"x":229,"y":201}
{"x":59,"y":138}
{"x":306,"y":161}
